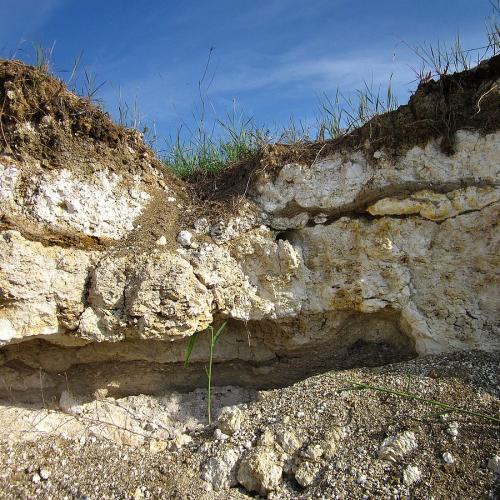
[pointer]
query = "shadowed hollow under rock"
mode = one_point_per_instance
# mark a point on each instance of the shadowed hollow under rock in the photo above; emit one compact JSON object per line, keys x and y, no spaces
{"x":371,"y":252}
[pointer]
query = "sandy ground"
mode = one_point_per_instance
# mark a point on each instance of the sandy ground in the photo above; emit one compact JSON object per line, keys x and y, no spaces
{"x":93,"y":450}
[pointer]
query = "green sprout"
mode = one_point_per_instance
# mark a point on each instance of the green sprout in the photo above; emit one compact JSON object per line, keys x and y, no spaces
{"x":214,"y":337}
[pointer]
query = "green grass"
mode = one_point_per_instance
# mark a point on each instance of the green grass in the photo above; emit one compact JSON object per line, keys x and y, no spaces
{"x":232,"y":139}
{"x":211,"y":145}
{"x":235,"y":138}
{"x":360,"y":386}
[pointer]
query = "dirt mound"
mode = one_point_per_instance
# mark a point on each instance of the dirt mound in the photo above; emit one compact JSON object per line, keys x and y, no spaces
{"x":327,"y":436}
{"x":68,"y":127}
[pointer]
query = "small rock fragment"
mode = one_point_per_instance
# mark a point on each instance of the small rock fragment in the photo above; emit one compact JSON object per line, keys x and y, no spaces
{"x":230,"y":420}
{"x":139,"y":493}
{"x":331,"y":442}
{"x":220,"y":472}
{"x":361,"y":479}
{"x":452,"y":429}
{"x":266,"y":439}
{"x":411,"y":475}
{"x":313,"y":452}
{"x":448,"y":458}
{"x":36,"y":478}
{"x":494,"y":464}
{"x":260,"y":470}
{"x":161,"y":241}
{"x":306,"y":473}
{"x":179,"y":441}
{"x":320,"y":219}
{"x":157,"y":445}
{"x":219,"y":435}
{"x":289,"y":441}
{"x":44,"y":474}
{"x":185,"y":238}
{"x":393,"y":448}
{"x":201,"y":226}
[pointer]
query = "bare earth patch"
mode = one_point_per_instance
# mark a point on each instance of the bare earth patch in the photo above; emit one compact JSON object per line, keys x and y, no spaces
{"x":328,"y":438}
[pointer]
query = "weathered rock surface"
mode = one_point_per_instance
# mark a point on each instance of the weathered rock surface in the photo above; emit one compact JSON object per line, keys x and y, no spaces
{"x":353,"y":255}
{"x":260,"y":470}
{"x":394,"y":448}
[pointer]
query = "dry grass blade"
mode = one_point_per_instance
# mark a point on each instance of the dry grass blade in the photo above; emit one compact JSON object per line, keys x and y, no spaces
{"x":408,"y":395}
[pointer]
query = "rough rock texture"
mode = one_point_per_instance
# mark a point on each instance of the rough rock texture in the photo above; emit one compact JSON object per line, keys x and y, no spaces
{"x":84,"y":453}
{"x":260,"y":470}
{"x":397,"y":447}
{"x":359,"y":255}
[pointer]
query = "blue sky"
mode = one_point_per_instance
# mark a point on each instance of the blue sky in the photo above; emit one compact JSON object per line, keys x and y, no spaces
{"x":274,"y":58}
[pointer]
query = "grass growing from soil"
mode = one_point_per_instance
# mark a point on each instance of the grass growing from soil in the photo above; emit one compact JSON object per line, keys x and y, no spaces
{"x":235,"y":138}
{"x":214,"y":337}
{"x":211,"y":145}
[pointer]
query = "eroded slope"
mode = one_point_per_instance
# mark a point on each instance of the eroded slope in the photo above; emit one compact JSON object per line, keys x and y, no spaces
{"x":370,"y":249}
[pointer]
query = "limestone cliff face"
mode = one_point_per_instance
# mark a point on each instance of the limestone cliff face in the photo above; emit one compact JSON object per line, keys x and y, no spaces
{"x":355,"y":247}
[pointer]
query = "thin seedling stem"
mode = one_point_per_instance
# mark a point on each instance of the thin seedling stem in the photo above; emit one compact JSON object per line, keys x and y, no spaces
{"x":209,"y":400}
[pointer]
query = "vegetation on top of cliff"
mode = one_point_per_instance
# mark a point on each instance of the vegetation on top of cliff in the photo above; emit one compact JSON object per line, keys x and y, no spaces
{"x":236,"y":138}
{"x":450,"y":94}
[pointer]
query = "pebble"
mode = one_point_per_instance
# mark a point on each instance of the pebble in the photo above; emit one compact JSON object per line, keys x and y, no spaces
{"x":44,"y":474}
{"x":448,"y":458}
{"x":36,"y":478}
{"x":452,"y":429}
{"x":393,"y":448}
{"x":361,"y":479}
{"x":230,"y":419}
{"x":411,"y":475}
{"x":306,"y":473}
{"x":161,"y":241}
{"x":313,"y":452}
{"x":185,"y":238}
{"x":201,"y":226}
{"x":219,"y":435}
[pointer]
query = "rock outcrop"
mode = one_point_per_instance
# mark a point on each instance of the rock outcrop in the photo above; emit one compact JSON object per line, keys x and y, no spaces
{"x":363,"y":253}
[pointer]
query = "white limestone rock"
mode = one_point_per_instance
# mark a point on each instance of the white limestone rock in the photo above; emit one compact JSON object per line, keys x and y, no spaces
{"x":337,"y":182}
{"x":185,"y":238}
{"x":260,"y":470}
{"x":394,"y":448}
{"x":230,"y":420}
{"x":411,"y":475}
{"x":289,"y":440}
{"x":98,"y":206}
{"x":306,"y":473}
{"x":220,"y":472}
{"x":8,"y":180}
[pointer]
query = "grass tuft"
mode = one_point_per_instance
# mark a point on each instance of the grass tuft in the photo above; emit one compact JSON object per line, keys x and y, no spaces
{"x":231,"y":140}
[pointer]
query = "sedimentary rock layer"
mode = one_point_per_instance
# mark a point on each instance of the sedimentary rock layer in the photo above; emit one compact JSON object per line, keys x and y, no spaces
{"x":356,"y":248}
